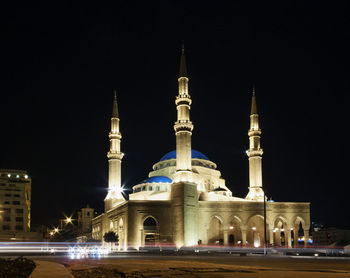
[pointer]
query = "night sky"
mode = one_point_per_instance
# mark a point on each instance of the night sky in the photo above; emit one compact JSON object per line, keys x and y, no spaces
{"x":61,"y":65}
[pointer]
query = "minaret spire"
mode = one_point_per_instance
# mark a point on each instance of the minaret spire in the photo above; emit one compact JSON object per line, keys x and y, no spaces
{"x":255,"y":153}
{"x":183,"y":126}
{"x":115,"y":157}
{"x":115,"y":112}
{"x":254,"y":109}
{"x":183,"y":69}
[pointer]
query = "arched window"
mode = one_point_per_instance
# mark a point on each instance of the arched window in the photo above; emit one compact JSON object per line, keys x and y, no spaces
{"x":150,"y":224}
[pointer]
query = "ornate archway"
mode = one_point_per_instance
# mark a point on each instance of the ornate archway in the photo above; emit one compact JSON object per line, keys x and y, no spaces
{"x":234,"y":232}
{"x":255,"y":231}
{"x":300,"y":234}
{"x":121,"y":235}
{"x":280,"y":231}
{"x":150,"y":231}
{"x":215,"y":232}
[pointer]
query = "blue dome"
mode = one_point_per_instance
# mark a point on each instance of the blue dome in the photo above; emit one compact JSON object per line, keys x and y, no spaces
{"x":195,"y":154}
{"x":157,"y":179}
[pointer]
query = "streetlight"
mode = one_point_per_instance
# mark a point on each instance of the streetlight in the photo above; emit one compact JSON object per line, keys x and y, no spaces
{"x":68,"y":220}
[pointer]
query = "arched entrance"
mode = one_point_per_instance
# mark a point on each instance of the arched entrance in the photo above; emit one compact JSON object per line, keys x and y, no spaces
{"x":255,"y":231}
{"x":121,"y":235}
{"x":215,"y":232}
{"x":280,"y":232}
{"x":150,"y":232}
{"x":298,"y":235}
{"x":234,"y":232}
{"x":231,"y":240}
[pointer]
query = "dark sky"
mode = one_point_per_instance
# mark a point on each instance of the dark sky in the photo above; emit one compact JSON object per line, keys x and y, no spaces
{"x":61,"y":64}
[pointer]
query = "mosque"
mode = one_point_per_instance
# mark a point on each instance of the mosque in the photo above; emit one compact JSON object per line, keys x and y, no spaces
{"x":185,"y":201}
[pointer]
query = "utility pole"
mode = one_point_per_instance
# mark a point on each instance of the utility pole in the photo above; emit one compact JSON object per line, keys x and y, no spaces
{"x":265,"y":251}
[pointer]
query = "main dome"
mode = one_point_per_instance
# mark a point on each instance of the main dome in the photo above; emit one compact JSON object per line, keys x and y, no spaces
{"x":194,"y":154}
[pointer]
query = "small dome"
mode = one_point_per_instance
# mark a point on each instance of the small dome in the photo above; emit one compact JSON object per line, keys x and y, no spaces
{"x":157,"y":179}
{"x":219,"y":189}
{"x":194,"y":153}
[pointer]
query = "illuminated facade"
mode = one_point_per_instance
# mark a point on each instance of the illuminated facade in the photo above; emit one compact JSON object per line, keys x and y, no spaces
{"x":15,"y":201}
{"x":185,"y":200}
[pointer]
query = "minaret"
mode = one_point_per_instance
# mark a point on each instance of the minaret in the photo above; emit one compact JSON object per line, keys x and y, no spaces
{"x":115,"y":157}
{"x":184,"y":194}
{"x":183,"y":126}
{"x":255,"y":153}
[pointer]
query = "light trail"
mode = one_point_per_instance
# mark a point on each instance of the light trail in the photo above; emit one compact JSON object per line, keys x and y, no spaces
{"x":76,"y":250}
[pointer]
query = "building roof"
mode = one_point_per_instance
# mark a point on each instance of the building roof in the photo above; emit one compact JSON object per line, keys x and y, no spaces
{"x":195,"y":154}
{"x":157,"y":179}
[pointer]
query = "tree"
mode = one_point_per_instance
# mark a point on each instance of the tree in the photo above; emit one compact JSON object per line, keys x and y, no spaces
{"x":111,"y":237}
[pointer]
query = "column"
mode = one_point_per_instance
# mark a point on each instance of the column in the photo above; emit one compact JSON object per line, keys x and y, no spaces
{"x":271,"y":235}
{"x":289,"y":238}
{"x":306,"y":237}
{"x":225,"y":237}
{"x":244,"y":237}
{"x":296,"y":230}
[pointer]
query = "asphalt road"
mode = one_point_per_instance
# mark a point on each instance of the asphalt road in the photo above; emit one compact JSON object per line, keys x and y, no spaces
{"x":322,"y":264}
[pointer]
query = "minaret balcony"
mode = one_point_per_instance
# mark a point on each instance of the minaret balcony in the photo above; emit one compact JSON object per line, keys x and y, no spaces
{"x":255,"y":152}
{"x":115,"y":135}
{"x":184,"y":99}
{"x":183,"y":126}
{"x":254,"y":132}
{"x":115,"y":155}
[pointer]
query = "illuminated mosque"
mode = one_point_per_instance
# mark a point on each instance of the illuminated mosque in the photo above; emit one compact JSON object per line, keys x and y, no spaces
{"x":185,"y":201}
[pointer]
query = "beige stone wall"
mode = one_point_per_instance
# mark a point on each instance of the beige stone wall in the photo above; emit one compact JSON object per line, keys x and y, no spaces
{"x":249,"y":215}
{"x":139,"y":211}
{"x":216,"y":221}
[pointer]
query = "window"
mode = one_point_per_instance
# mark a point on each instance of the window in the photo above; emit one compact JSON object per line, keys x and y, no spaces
{"x":7,"y":210}
{"x":143,"y":188}
{"x":157,"y":188}
{"x":88,"y":213}
{"x":19,"y":210}
{"x":16,"y":202}
{"x":19,"y":219}
{"x":150,"y":188}
{"x":16,"y":195}
{"x":7,"y":219}
{"x":7,"y":195}
{"x":19,"y":228}
{"x":6,"y":227}
{"x":7,"y":202}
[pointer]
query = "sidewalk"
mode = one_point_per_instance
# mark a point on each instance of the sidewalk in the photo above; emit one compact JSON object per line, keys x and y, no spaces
{"x":46,"y":269}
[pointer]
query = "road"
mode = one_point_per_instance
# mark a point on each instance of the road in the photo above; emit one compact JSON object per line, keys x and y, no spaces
{"x":212,"y":265}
